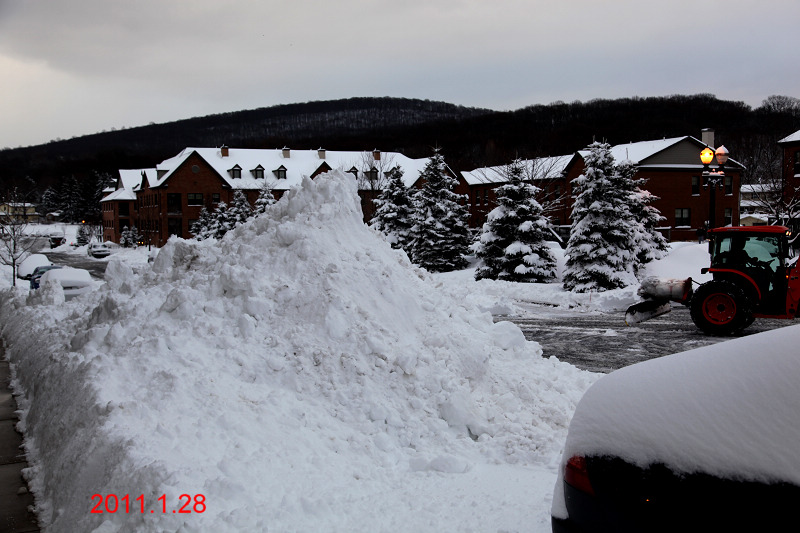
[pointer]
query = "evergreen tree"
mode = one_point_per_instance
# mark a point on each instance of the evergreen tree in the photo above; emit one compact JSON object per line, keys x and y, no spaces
{"x":601,"y":249}
{"x":239,"y":211}
{"x":69,"y":192}
{"x":649,"y":243}
{"x":440,"y":235}
{"x":513,"y":243}
{"x":394,"y":216}
{"x":221,"y":223}
{"x":129,"y":237}
{"x":82,"y":236}
{"x":202,"y":227}
{"x":264,"y":200}
{"x":50,"y":202}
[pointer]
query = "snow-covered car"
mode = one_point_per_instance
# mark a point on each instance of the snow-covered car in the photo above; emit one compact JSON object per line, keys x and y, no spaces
{"x":98,"y":249}
{"x":56,"y":239}
{"x":38,"y":272}
{"x":29,"y":264}
{"x":704,"y":440}
{"x":74,"y":281}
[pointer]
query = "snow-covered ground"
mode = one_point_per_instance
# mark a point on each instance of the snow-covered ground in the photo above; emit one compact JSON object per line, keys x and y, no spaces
{"x":299,"y":375}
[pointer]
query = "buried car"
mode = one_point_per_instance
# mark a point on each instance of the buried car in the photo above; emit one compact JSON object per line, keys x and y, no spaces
{"x":30,"y":263}
{"x":704,"y":440}
{"x":38,"y":272}
{"x":98,"y":249}
{"x":74,"y":281}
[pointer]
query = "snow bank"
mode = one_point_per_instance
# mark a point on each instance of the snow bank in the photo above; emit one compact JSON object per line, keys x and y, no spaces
{"x":300,"y":374}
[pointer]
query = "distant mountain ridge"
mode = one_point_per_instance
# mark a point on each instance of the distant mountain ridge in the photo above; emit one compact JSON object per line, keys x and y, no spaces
{"x":469,"y":137}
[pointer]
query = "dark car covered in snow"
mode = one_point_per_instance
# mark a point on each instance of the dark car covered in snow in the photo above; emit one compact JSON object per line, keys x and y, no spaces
{"x":704,"y":440}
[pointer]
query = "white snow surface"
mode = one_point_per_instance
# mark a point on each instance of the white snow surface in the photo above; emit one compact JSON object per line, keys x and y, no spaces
{"x":299,"y":374}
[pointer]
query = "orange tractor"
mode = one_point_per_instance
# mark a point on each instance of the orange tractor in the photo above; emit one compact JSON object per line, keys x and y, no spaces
{"x":754,"y":276}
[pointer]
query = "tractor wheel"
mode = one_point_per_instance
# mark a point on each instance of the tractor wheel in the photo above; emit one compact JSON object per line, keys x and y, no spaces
{"x":720,"y":308}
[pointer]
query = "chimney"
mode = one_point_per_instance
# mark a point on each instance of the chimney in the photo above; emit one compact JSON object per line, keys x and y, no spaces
{"x":321,"y":153}
{"x":224,"y":151}
{"x":286,"y":152}
{"x":707,"y":136}
{"x":376,"y":154}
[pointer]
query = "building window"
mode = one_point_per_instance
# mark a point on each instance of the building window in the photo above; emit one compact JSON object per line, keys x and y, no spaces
{"x":235,"y":172}
{"x":194,"y":198}
{"x":124,"y":209}
{"x":174,"y":226}
{"x":258,"y":172}
{"x":372,"y":175}
{"x":173,"y":202}
{"x":683,"y":216}
{"x":214,"y":197}
{"x":695,"y":185}
{"x":728,"y":216}
{"x":486,"y":197}
{"x":728,"y":181}
{"x":280,"y":172}
{"x":797,"y":163}
{"x":354,"y":172}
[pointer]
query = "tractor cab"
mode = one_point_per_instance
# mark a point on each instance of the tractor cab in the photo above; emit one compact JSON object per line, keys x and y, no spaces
{"x":755,"y":259}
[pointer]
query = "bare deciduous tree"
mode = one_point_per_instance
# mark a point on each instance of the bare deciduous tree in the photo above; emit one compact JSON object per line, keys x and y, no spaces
{"x":15,"y":242}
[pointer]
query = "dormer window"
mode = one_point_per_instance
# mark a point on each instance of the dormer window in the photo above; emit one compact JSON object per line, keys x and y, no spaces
{"x":235,"y":172}
{"x":280,"y":172}
{"x":354,"y":172}
{"x":372,"y":174}
{"x":258,"y":172}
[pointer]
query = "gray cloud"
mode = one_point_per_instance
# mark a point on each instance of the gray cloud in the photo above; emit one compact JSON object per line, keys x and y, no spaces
{"x":98,"y":64}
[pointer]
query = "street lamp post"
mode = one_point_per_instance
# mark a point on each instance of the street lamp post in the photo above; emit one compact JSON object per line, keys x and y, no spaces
{"x":713,"y":179}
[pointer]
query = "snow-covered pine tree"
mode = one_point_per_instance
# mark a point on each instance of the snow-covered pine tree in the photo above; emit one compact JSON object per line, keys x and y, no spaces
{"x":264,"y":200}
{"x":650,"y":244}
{"x":395,"y":212}
{"x":221,"y":223}
{"x":601,"y":251}
{"x":440,"y":235}
{"x":125,"y":239}
{"x":239,"y":210}
{"x":82,"y":236}
{"x":201,"y":229}
{"x":513,"y":243}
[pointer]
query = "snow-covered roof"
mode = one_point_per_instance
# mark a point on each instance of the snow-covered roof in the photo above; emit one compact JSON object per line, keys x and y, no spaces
{"x":120,"y":194}
{"x":794,"y":137}
{"x":541,"y":168}
{"x":637,"y":152}
{"x":296,"y":163}
{"x":130,"y":178}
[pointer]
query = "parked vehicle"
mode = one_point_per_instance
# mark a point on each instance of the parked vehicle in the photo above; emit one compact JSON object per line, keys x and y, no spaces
{"x":98,"y":249}
{"x":74,"y":281}
{"x":56,"y":239}
{"x":704,"y":440}
{"x":29,"y":264}
{"x":38,"y":272}
{"x":754,"y":276}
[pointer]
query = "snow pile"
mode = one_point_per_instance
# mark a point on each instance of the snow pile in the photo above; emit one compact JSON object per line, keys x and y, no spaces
{"x":300,"y":375}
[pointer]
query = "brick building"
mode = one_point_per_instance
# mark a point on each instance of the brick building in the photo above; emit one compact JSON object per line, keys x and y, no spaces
{"x":167,"y":199}
{"x":791,"y":172}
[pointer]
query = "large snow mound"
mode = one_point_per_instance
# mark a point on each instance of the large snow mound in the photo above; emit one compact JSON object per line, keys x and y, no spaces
{"x":295,"y":374}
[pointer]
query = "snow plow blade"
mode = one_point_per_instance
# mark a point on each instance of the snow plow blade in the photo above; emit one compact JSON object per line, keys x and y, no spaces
{"x":646,"y":310}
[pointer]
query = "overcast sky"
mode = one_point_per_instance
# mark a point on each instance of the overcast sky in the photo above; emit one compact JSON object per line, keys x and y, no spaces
{"x":82,"y":66}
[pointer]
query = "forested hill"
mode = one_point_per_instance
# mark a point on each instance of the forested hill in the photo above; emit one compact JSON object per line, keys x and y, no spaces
{"x":469,"y":137}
